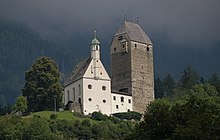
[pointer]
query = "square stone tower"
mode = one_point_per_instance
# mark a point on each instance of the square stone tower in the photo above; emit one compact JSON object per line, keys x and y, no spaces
{"x":132,"y":65}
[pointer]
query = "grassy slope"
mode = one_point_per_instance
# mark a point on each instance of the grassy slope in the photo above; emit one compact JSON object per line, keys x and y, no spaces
{"x":65,"y":115}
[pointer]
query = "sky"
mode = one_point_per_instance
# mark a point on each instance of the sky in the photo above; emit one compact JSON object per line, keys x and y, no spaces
{"x":183,"y":31}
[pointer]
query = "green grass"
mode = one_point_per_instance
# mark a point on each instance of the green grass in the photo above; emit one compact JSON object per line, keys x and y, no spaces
{"x":65,"y":115}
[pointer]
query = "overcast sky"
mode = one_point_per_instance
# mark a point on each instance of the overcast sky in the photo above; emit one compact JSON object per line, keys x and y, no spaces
{"x":183,"y":31}
{"x":182,"y":21}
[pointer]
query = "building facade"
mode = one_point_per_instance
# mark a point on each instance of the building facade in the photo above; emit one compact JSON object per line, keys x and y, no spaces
{"x":132,"y":65}
{"x":131,"y":86}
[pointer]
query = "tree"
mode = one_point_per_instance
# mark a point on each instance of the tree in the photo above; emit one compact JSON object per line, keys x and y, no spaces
{"x":168,"y":85}
{"x":21,"y":105}
{"x":39,"y":129}
{"x":215,"y":82}
{"x":189,"y":78}
{"x":158,"y":88}
{"x":42,"y":85}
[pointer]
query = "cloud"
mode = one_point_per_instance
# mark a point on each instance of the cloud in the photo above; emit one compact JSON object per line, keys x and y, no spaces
{"x":182,"y":22}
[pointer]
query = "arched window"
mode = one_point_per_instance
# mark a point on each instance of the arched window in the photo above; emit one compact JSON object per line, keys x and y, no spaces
{"x":148,"y":49}
{"x":68,"y":95}
{"x":79,"y":100}
{"x":79,"y":89}
{"x":74,"y":96}
{"x":122,"y":99}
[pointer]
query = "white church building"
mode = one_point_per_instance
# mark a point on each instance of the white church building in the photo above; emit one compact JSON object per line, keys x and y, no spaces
{"x":89,"y":86}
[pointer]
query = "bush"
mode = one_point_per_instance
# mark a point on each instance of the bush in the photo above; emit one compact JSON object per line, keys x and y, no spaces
{"x":128,"y":115}
{"x":53,"y":116}
{"x":99,"y":116}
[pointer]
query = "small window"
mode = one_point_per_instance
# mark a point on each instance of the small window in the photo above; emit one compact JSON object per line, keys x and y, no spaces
{"x":100,"y":73}
{"x":89,"y":86}
{"x":114,"y":98}
{"x":148,"y":49}
{"x":79,"y":100}
{"x":120,"y":37}
{"x":129,"y":101}
{"x":97,"y":47}
{"x":128,"y":110}
{"x":117,"y":107}
{"x":97,"y":60}
{"x":103,"y":87}
{"x":104,"y":101}
{"x":135,"y":45}
{"x":123,"y":45}
{"x":114,"y":49}
{"x":79,"y":89}
{"x":122,"y":99}
{"x":90,"y":99}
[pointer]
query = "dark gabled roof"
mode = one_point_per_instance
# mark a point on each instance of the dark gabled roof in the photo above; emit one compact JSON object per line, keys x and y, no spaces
{"x":120,"y":93}
{"x":134,"y":32}
{"x":78,"y":71}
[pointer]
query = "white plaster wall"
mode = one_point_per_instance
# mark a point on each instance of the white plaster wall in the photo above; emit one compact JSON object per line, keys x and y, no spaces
{"x":77,"y":93}
{"x":97,"y":94}
{"x":122,"y":106}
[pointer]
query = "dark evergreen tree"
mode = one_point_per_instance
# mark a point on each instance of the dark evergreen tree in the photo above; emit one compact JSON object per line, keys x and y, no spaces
{"x":168,"y":85}
{"x":215,"y":82}
{"x":189,"y":78}
{"x":158,"y":88}
{"x":42,"y":85}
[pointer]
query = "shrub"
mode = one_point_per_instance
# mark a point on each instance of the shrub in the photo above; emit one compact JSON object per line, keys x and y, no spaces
{"x":128,"y":115}
{"x":53,"y":116}
{"x":99,"y":116}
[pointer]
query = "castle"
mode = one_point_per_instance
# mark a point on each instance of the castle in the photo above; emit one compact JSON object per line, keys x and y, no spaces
{"x":131,"y":86}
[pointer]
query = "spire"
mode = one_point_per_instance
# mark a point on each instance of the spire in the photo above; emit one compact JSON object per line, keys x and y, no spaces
{"x":95,"y":40}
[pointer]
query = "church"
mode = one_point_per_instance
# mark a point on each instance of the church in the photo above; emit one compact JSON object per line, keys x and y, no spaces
{"x":131,"y":85}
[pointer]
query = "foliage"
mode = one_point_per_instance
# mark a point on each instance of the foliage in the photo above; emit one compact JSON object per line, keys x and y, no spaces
{"x":189,"y":78}
{"x":168,"y":85}
{"x":99,"y":116}
{"x":158,"y":88}
{"x":42,"y":85}
{"x":215,"y":81}
{"x":53,"y":116}
{"x":38,"y":129}
{"x":5,"y":110}
{"x":20,"y":105}
{"x":196,"y":116}
{"x":132,"y":115}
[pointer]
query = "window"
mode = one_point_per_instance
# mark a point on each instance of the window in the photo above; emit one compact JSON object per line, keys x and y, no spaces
{"x":148,"y":49}
{"x":123,"y":45}
{"x":129,"y":101}
{"x":104,"y":101}
{"x":100,"y":73}
{"x":114,"y":49}
{"x":114,"y":98}
{"x":68,"y":95}
{"x":135,"y":45}
{"x":79,"y":100}
{"x":79,"y":89}
{"x":128,"y":110}
{"x":103,"y":87}
{"x":122,"y":99}
{"x":89,"y":86}
{"x":120,"y":37}
{"x":117,"y":107}
{"x":74,"y":94}
{"x":97,"y":47}
{"x":90,"y":99}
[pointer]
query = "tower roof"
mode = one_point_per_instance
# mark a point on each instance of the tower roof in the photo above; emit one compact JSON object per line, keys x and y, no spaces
{"x":95,"y":41}
{"x":134,"y":31}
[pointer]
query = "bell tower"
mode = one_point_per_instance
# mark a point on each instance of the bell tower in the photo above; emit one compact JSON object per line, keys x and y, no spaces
{"x":132,"y":65}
